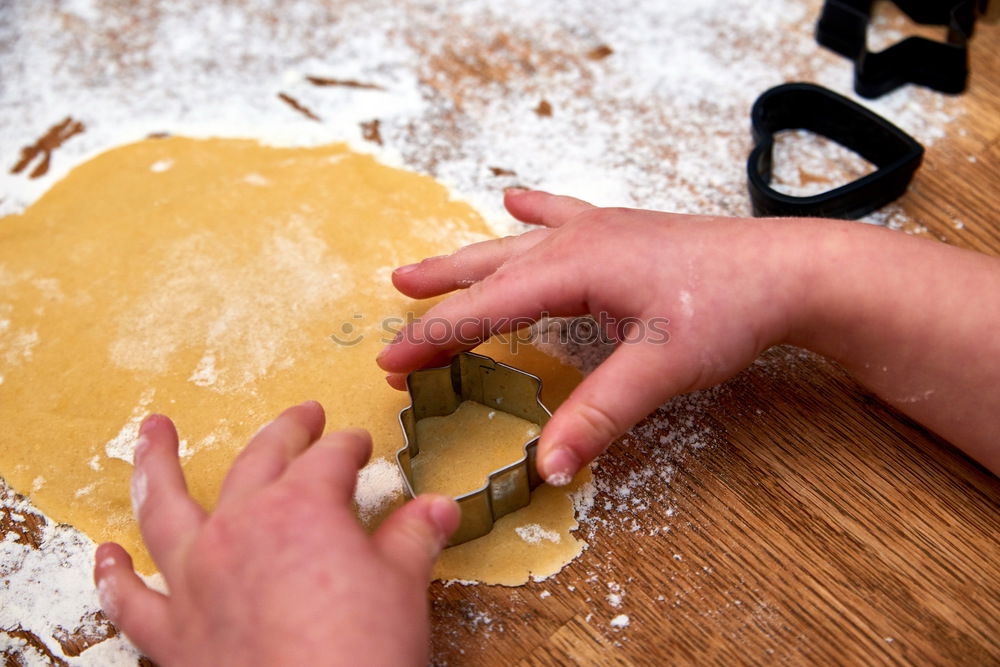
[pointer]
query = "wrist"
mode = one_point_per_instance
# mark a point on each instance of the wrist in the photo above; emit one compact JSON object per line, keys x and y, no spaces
{"x":848,"y":274}
{"x":794,"y":255}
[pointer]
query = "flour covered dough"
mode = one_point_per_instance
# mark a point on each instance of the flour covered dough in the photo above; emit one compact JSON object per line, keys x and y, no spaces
{"x":459,"y":451}
{"x":218,"y":282}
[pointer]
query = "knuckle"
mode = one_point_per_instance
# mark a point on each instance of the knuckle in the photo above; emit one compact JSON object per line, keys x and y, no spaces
{"x":414,"y":536}
{"x":293,"y":424}
{"x":604,"y":425}
{"x":594,"y":216}
{"x":434,"y":260}
{"x":498,"y":280}
{"x":455,"y":258}
{"x":581,"y":230}
{"x":215,"y":553}
{"x":287,"y":498}
{"x":279,"y":436}
{"x":465,"y":300}
{"x":215,"y":540}
{"x":151,"y":508}
{"x":358,"y":445}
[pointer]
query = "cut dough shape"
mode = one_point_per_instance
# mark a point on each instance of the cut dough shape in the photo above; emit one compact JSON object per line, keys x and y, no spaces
{"x":534,"y":542}
{"x":206,"y":279}
{"x":459,"y":451}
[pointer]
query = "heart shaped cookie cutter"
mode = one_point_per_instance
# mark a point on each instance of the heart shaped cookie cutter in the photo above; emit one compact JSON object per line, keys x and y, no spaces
{"x":435,"y":392}
{"x":810,"y":107}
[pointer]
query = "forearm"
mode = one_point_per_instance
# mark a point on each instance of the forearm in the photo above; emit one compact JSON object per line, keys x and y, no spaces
{"x":915,"y":321}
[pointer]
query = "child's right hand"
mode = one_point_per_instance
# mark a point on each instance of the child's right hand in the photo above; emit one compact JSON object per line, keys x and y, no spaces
{"x":726,"y":286}
{"x":280,"y":572}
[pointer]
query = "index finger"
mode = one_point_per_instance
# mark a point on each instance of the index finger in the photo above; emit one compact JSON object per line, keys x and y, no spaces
{"x":168,"y":517}
{"x":510,"y":299}
{"x":538,"y":207}
{"x":330,"y":466}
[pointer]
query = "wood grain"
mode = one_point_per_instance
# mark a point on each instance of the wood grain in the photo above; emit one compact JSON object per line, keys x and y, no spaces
{"x":827,"y":528}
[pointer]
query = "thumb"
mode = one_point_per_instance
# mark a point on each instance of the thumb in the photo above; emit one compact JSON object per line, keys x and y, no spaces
{"x":414,"y":535}
{"x":605,"y":405}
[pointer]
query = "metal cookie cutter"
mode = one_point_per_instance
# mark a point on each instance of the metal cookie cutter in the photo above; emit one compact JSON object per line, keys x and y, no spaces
{"x":435,"y":392}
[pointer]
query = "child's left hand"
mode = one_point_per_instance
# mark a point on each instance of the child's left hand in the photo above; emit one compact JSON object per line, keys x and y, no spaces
{"x":281,"y":572}
{"x":728,"y":289}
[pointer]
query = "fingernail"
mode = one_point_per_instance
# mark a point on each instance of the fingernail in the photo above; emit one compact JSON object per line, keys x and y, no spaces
{"x":515,"y":191}
{"x":261,"y":428}
{"x":405,"y":269}
{"x":560,"y":466}
{"x":147,"y":424}
{"x":444,"y":513}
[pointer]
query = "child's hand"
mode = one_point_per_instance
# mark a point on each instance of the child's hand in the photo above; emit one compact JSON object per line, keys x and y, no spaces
{"x":913,"y":320}
{"x":725,"y":286}
{"x":281,"y":573}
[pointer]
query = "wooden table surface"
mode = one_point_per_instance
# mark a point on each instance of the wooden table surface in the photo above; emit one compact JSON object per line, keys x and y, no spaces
{"x":826,"y":527}
{"x":820,"y":527}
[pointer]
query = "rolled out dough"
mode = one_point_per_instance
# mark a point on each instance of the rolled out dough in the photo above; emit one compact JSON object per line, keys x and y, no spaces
{"x":460,"y":450}
{"x":204,"y":279}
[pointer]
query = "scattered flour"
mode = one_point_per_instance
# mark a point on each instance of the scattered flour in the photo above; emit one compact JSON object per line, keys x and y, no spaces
{"x":107,"y":595}
{"x":256,"y":179}
{"x":379,"y":483}
{"x":620,"y":621}
{"x":84,"y":491}
{"x":687,"y":309}
{"x":615,"y":595}
{"x":122,"y":446}
{"x":559,"y":479}
{"x":534,"y":533}
{"x":204,"y":374}
{"x":47,"y":591}
{"x":139,"y":490}
{"x":17,"y":346}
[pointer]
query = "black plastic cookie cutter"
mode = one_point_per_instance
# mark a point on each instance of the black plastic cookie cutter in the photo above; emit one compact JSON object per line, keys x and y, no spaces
{"x":943,"y":66}
{"x":810,"y":107}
